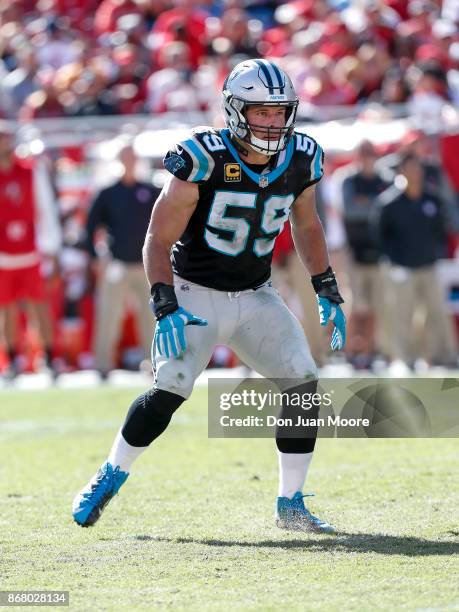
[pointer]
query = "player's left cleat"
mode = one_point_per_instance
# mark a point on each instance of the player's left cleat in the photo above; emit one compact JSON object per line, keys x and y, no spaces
{"x":292,"y":514}
{"x":90,"y":502}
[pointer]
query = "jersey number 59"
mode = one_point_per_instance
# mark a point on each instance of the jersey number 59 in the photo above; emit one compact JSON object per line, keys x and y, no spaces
{"x":275,"y":212}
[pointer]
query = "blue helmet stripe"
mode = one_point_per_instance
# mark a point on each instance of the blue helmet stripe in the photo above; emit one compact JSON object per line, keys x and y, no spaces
{"x":267,"y":75}
{"x":269,"y":67}
{"x":279,"y":77}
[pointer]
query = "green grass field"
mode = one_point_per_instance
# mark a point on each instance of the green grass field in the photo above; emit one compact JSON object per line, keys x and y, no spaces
{"x":193,"y":526}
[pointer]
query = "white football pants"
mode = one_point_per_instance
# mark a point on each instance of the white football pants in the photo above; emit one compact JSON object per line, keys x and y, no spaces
{"x":257,"y":325}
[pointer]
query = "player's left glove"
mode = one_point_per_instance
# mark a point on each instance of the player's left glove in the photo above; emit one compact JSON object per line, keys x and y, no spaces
{"x":329,"y":300}
{"x":171,"y":321}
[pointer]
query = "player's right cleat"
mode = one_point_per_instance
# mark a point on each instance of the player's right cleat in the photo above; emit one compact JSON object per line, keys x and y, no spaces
{"x":90,"y":502}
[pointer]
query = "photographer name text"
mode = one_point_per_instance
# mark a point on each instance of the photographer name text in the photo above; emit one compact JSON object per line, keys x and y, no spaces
{"x":274,"y":421}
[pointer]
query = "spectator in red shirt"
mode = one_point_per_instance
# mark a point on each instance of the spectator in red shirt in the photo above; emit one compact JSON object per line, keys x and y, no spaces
{"x":233,"y":34}
{"x":374,"y":63}
{"x":129,"y":84}
{"x":422,"y":15}
{"x":394,"y":88}
{"x":291,"y":17}
{"x":29,"y":229}
{"x":108,"y":13}
{"x":337,"y":40}
{"x":380,"y":24}
{"x":172,"y":87}
{"x":45,"y":101}
{"x":184,"y":23}
{"x":321,"y":88}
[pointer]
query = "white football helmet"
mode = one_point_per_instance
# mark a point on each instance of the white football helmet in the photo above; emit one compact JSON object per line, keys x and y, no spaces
{"x":259,"y":82}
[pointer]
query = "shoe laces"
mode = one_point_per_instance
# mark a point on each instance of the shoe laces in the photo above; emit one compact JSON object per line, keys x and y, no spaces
{"x":302,"y":508}
{"x":103,"y":484}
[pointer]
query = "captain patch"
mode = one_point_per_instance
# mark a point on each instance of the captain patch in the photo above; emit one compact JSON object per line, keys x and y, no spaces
{"x":232,"y":173}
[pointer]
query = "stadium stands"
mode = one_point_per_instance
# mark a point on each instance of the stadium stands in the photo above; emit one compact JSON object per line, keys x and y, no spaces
{"x":90,"y":57}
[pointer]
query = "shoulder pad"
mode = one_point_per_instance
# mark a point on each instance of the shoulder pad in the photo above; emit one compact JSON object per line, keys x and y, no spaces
{"x":312,"y":156}
{"x":191,"y":159}
{"x":202,"y":130}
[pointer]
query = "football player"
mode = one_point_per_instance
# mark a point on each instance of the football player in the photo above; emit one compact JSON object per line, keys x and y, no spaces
{"x":207,"y":257}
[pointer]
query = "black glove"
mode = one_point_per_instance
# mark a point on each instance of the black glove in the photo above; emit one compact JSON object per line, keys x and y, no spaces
{"x":325,"y":286}
{"x":163,"y":300}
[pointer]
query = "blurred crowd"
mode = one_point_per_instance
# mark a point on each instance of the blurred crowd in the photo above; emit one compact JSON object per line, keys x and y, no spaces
{"x":101,"y":57}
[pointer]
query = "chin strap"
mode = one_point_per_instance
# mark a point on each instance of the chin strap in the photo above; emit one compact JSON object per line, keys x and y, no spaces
{"x":245,"y":152}
{"x":239,"y":146}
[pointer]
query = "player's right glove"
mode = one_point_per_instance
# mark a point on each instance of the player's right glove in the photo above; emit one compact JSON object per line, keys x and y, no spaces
{"x":329,"y":300}
{"x":171,"y":321}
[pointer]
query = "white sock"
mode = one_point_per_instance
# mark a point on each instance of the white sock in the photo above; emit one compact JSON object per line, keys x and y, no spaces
{"x":123,"y":454}
{"x":293,"y":468}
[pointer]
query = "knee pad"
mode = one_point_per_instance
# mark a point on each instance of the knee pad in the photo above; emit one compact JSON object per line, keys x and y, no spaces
{"x":149,"y":415}
{"x":293,"y":438}
{"x":296,"y":445}
{"x":175,"y":377}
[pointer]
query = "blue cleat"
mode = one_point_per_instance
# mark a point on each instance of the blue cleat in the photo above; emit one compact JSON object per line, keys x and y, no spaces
{"x":90,"y":502}
{"x":291,"y":514}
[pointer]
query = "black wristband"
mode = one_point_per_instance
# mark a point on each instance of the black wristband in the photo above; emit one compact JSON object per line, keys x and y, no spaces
{"x":325,"y":285}
{"x":163,"y":300}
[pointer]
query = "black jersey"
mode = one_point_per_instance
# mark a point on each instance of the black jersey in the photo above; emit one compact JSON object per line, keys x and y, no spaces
{"x":230,"y":237}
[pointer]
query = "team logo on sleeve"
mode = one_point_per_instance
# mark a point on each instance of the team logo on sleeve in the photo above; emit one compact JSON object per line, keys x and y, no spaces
{"x":173,"y":163}
{"x":232,"y":173}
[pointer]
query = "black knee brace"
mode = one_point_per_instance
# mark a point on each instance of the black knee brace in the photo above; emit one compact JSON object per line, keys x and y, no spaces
{"x":149,"y":415}
{"x":297,"y":439}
